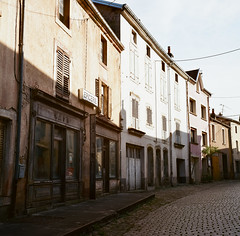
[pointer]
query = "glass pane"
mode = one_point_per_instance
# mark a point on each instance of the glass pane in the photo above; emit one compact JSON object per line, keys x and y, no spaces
{"x":57,"y":152}
{"x":99,"y":144}
{"x":112,"y":159}
{"x":42,"y":150}
{"x":71,"y":155}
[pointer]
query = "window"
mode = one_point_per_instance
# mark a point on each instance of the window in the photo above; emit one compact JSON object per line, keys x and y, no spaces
{"x":176,"y":96}
{"x":197,"y":87}
{"x":192,"y":106}
{"x":193,"y":135}
{"x":106,"y":150}
{"x":135,"y":121}
{"x":204,"y":139}
{"x":104,"y":94}
{"x":178,"y":133}
{"x":134,"y":37}
{"x":148,"y":74}
{"x":63,"y":74}
{"x":223,"y":137}
{"x":237,"y":149}
{"x":55,"y":150}
{"x":176,"y":78}
{"x":64,"y":12}
{"x":149,"y":116}
{"x":164,"y":127}
{"x":213,"y":133}
{"x":203,"y":112}
{"x":2,"y":149}
{"x":103,"y":51}
{"x":163,"y":88}
{"x":236,"y":129}
{"x":163,"y":66}
{"x":148,"y":51}
{"x":134,"y":67}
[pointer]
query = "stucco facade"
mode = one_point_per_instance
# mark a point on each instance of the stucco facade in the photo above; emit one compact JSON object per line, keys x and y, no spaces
{"x":153,"y":103}
{"x":198,"y":105}
{"x":69,"y":50}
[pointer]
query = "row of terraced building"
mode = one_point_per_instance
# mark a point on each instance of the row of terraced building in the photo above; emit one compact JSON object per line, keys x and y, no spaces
{"x":97,"y":106}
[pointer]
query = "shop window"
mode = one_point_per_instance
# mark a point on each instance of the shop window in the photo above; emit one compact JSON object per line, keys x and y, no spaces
{"x":55,"y":151}
{"x":112,"y":159}
{"x":63,"y":74}
{"x":99,"y":157}
{"x":103,"y":51}
{"x":64,"y":12}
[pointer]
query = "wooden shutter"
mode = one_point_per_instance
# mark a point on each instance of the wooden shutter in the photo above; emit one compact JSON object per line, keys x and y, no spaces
{"x":63,"y":74}
{"x":98,"y":87}
{"x":109,"y":98}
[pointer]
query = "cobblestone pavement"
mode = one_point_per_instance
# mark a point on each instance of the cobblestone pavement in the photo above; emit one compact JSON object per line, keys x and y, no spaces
{"x":206,"y":209}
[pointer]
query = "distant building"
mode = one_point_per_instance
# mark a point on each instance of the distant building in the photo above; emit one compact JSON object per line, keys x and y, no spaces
{"x":222,"y":163}
{"x":198,"y":103}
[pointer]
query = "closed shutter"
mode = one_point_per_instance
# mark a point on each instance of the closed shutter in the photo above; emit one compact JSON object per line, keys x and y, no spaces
{"x":98,"y":92}
{"x":63,"y":74}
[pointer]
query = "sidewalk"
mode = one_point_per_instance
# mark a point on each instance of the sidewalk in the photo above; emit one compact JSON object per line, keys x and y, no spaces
{"x":73,"y":219}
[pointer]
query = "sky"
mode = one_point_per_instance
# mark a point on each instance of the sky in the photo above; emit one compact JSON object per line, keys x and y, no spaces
{"x":195,"y":29}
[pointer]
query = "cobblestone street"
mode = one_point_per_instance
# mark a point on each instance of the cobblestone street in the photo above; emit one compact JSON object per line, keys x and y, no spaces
{"x":206,"y":209}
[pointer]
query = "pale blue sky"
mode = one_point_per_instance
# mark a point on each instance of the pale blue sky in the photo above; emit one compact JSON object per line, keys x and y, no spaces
{"x":196,"y":29}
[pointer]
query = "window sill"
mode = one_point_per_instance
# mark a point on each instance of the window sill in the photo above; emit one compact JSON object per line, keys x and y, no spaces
{"x":178,"y":145}
{"x":61,"y":25}
{"x":193,"y":113}
{"x":103,"y":65}
{"x":204,"y":119}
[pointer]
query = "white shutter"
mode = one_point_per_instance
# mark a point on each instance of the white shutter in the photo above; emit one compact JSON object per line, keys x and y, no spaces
{"x":131,"y":63}
{"x":136,"y":65}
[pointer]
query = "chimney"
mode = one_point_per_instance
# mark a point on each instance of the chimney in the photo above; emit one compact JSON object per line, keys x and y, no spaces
{"x":169,"y":52}
{"x":213,"y":114}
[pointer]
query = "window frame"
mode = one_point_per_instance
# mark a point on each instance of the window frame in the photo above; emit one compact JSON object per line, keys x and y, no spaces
{"x":103,"y":51}
{"x":193,"y":135}
{"x":192,"y":106}
{"x":63,"y":74}
{"x":204,"y":139}
{"x":65,"y":17}
{"x":203,"y":112}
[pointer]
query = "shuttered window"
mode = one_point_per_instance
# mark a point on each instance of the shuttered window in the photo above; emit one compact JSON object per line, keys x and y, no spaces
{"x":2,"y":142}
{"x":149,"y":116}
{"x":104,"y":94}
{"x":63,"y":74}
{"x":134,"y":108}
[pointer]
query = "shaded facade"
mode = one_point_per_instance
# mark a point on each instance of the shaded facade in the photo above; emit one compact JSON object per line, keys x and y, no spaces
{"x":70,"y":69}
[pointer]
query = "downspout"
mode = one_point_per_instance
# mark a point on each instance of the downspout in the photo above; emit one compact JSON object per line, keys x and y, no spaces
{"x":170,"y":125}
{"x":188,"y":128}
{"x":19,"y":105}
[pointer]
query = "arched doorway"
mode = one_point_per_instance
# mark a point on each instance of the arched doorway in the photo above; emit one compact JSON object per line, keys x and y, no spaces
{"x":150,"y":166}
{"x":158,"y":167}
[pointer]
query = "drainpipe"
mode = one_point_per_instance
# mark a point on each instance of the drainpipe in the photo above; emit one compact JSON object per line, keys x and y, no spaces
{"x":170,"y":124}
{"x":19,"y":106}
{"x":188,"y":128}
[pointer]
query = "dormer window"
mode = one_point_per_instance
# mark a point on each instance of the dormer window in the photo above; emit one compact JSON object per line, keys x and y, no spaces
{"x":163,"y":66}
